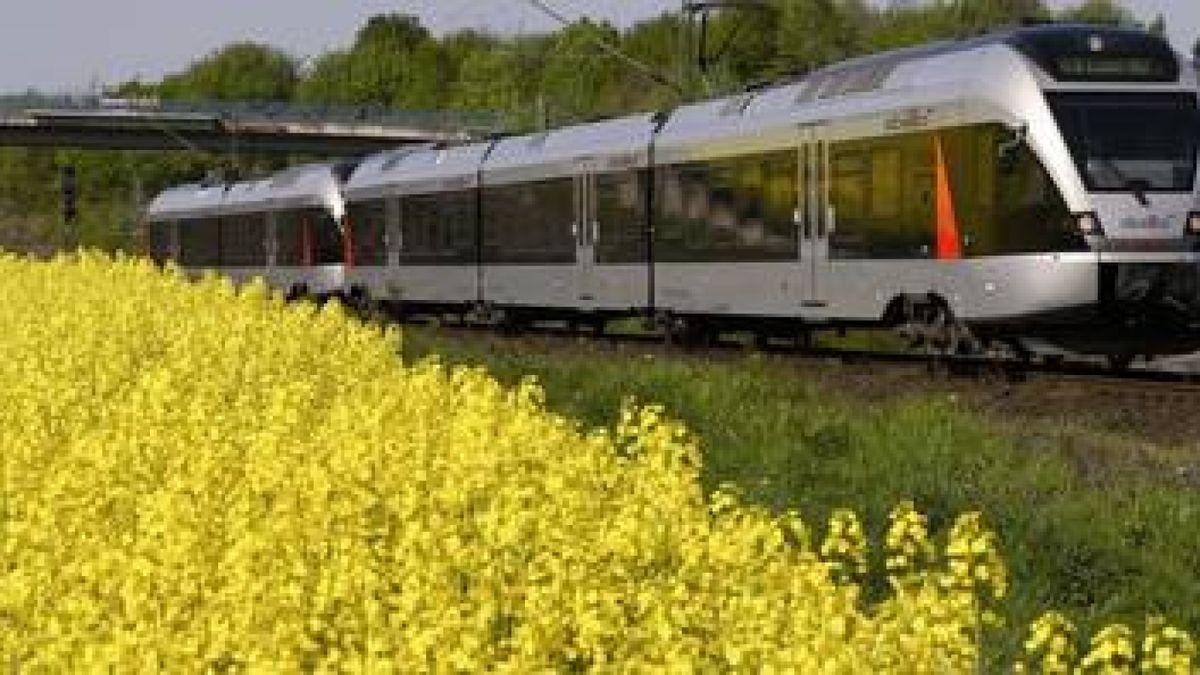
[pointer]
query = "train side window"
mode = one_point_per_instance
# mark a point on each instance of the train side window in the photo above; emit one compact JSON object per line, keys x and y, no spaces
{"x":158,"y":241}
{"x":419,"y":213}
{"x":289,"y":239}
{"x":244,"y":240}
{"x":737,"y":209}
{"x":1030,"y":215}
{"x":882,"y":191}
{"x":886,"y":183}
{"x":328,"y":245}
{"x":530,"y":223}
{"x":458,"y":218}
{"x":621,"y":212}
{"x":368,"y":225}
{"x":200,"y":242}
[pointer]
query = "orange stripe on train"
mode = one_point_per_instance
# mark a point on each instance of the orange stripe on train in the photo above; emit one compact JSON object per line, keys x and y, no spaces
{"x":945,"y":219}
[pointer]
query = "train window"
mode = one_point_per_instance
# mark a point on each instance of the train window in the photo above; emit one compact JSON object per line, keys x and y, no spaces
{"x":159,"y":241}
{"x":305,"y":236}
{"x":998,"y":210}
{"x":621,"y":212}
{"x":530,"y":223}
{"x":460,"y":219}
{"x":739,"y":209}
{"x":1128,"y":142}
{"x":290,"y":239}
{"x":1030,"y":214}
{"x":882,"y":195}
{"x":438,"y":228}
{"x":886,"y":183}
{"x":244,"y":240}
{"x":328,"y":245}
{"x":200,"y":242}
{"x":368,"y":225}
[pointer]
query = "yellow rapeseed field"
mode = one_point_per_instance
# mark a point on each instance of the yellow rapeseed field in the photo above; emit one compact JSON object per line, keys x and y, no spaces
{"x":196,"y":478}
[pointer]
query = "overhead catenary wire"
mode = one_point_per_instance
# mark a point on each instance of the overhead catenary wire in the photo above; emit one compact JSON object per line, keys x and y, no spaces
{"x":611,"y":49}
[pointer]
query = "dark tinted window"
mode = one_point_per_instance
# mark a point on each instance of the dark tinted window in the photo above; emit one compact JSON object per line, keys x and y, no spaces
{"x":368,"y":223}
{"x":438,"y":228}
{"x":159,"y":241}
{"x":1123,"y":142}
{"x":530,"y":223}
{"x":200,"y":242}
{"x":307,"y":236}
{"x":884,"y":194}
{"x":730,"y":209}
{"x":244,"y":240}
{"x":621,"y":212}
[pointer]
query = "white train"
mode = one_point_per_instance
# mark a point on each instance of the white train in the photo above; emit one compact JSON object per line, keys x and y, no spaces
{"x":1036,"y":185}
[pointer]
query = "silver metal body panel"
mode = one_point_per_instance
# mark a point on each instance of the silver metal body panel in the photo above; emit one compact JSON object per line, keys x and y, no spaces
{"x":308,"y":186}
{"x":320,"y":280}
{"x":441,"y":284}
{"x":553,"y":286}
{"x":185,"y":202}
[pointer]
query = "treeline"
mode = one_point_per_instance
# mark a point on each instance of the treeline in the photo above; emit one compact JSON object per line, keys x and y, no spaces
{"x":585,"y":70}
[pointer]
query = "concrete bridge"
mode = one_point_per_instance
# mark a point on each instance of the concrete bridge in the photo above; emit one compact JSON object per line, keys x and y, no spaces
{"x":98,"y":122}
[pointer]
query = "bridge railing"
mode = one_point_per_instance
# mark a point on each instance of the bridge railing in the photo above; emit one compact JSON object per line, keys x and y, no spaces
{"x":469,"y":122}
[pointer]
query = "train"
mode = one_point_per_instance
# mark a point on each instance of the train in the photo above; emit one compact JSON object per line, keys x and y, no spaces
{"x":1029,"y":189}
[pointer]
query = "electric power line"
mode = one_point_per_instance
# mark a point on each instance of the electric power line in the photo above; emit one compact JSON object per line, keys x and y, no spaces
{"x":612,"y":50}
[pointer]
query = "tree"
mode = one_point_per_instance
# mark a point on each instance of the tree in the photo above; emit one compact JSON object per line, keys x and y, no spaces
{"x":814,"y":33}
{"x":1158,"y":26}
{"x":1106,"y":12}
{"x":400,"y":32}
{"x":241,"y":71}
{"x":580,"y":79}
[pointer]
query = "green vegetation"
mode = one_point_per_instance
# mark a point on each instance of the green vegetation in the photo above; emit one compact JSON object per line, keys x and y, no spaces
{"x":533,"y":80}
{"x":1102,"y":544}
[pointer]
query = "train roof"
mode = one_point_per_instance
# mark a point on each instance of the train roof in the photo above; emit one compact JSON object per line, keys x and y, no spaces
{"x":186,"y":201}
{"x":611,"y":145}
{"x":419,"y":170}
{"x":305,"y":186}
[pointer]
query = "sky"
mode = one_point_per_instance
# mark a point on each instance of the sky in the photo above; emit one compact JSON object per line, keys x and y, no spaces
{"x":78,"y":45}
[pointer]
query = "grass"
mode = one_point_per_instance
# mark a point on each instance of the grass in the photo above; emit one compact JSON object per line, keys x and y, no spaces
{"x":1117,"y":547}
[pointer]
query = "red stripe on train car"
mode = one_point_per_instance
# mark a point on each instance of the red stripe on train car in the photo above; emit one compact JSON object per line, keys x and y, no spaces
{"x":947,"y":241}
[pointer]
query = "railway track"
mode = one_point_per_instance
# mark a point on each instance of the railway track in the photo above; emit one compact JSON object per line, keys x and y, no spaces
{"x":1161,"y":382}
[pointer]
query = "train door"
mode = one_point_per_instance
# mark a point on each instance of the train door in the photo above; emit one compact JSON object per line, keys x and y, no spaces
{"x":815,"y":216}
{"x":585,"y":228}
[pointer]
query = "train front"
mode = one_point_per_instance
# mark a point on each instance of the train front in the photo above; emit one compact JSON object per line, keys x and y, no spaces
{"x":1125,"y":107}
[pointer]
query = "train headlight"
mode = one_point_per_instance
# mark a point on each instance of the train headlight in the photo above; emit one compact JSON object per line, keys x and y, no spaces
{"x":1193,"y":223}
{"x":1089,"y":224}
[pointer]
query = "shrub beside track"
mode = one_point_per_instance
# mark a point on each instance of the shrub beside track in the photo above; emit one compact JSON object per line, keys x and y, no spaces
{"x":200,"y":478}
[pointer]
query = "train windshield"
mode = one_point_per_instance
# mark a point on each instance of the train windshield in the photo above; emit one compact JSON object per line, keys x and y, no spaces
{"x":1131,"y":142}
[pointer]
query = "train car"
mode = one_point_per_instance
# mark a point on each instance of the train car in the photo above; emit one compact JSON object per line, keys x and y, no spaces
{"x":563,"y":219}
{"x":414,"y":215}
{"x":285,"y":229}
{"x":1038,"y":183}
